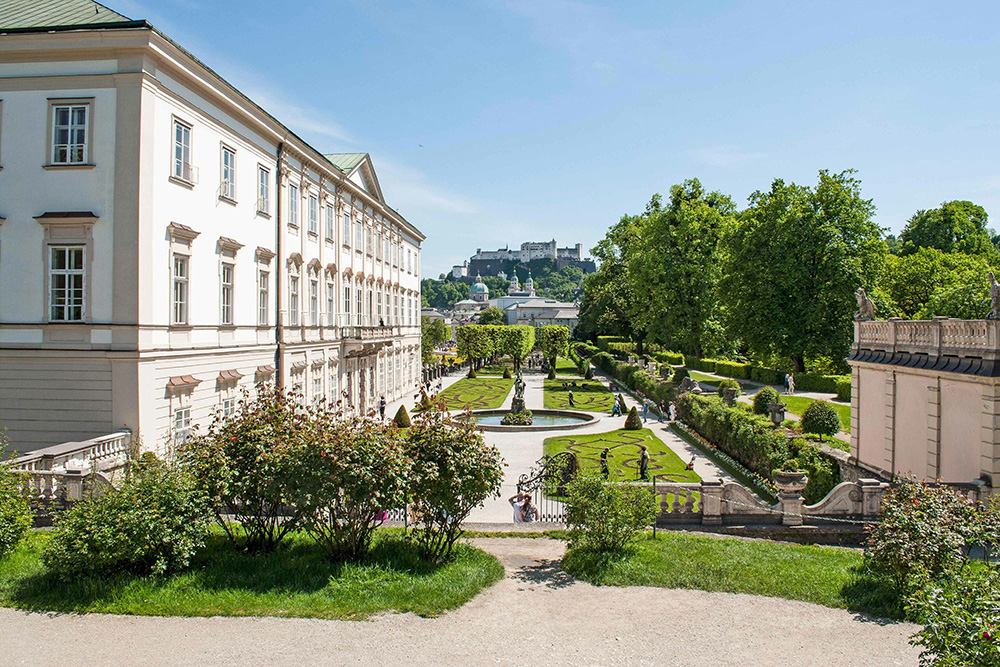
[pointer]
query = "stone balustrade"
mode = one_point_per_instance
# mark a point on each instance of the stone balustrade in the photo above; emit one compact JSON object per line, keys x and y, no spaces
{"x":105,"y":452}
{"x":935,"y":338}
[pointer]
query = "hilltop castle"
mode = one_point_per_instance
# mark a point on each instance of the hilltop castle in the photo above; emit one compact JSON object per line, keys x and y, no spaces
{"x":496,"y":262}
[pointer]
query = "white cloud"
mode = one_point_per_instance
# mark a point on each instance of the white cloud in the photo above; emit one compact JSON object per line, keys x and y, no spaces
{"x":723,"y":156}
{"x":408,"y":189}
{"x":302,"y":119}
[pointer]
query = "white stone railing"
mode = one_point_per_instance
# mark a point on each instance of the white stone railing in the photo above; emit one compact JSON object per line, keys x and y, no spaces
{"x":105,"y":452}
{"x":935,"y":338}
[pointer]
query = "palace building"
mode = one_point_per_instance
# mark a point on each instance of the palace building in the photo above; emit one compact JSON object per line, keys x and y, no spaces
{"x":166,"y":243}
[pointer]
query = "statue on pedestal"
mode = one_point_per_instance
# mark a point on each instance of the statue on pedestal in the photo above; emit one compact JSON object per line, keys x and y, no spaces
{"x":517,"y":404}
{"x":994,"y":298}
{"x":866,"y":309}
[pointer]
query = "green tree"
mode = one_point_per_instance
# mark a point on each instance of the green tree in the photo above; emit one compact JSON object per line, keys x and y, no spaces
{"x":554,"y":342}
{"x":957,"y":226}
{"x":516,"y":342}
{"x":492,"y":315}
{"x":911,"y":281}
{"x":674,"y":268}
{"x":607,"y":296}
{"x":791,"y":264}
{"x":477,"y":342}
{"x":433,"y":332}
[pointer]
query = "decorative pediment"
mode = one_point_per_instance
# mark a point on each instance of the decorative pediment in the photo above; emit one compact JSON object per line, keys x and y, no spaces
{"x":179,"y":232}
{"x":295,"y":258}
{"x":264,"y":255}
{"x":331,"y":269}
{"x":182,"y":383}
{"x":315,"y":266}
{"x":228,"y":246}
{"x":264,"y":372}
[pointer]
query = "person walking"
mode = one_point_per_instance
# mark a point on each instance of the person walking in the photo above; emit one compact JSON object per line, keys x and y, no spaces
{"x":791,"y":384}
{"x":786,"y":383}
{"x":381,"y":407}
{"x":645,"y":410}
{"x":643,"y":463}
{"x":570,"y":396}
{"x":604,"y":462}
{"x":662,"y":409}
{"x":673,"y":411}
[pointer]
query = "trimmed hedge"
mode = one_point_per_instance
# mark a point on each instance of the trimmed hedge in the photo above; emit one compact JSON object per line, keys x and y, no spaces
{"x":844,"y":389}
{"x":698,"y":364}
{"x":732,"y":369}
{"x":585,"y":349}
{"x":751,"y":440}
{"x":767,"y":375}
{"x":672,"y":358}
{"x":818,"y":382}
{"x":634,"y":377}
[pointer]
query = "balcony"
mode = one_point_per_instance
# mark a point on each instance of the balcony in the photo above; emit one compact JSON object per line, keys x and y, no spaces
{"x":945,"y":344}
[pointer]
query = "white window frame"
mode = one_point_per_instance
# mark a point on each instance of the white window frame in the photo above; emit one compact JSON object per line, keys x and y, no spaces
{"x":228,"y":406}
{"x":359,"y":236}
{"x":226,"y":293}
{"x":180,"y":290}
{"x":293,"y":205}
{"x":347,"y":302}
{"x":313,"y":302}
{"x":293,"y":300}
{"x":180,"y":426}
{"x":182,"y":169}
{"x":347,"y":229}
{"x":331,"y":304}
{"x":317,"y":388}
{"x":314,"y":215}
{"x":263,"y":297}
{"x":227,"y":188}
{"x":74,"y":152}
{"x":331,"y":223}
{"x":68,"y":274}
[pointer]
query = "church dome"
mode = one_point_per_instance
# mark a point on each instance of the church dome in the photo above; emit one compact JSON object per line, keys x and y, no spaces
{"x":479,"y":287}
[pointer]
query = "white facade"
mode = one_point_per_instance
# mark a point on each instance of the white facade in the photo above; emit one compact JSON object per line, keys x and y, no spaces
{"x":159,"y":251}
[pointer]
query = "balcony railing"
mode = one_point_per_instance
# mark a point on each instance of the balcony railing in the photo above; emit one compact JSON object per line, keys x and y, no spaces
{"x":935,"y":338}
{"x":102,"y":453}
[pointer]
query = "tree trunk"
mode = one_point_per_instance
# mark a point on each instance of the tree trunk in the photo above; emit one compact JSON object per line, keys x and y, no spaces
{"x":800,"y":363}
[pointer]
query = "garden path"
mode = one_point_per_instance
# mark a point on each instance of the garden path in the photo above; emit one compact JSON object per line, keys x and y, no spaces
{"x":536,"y":614}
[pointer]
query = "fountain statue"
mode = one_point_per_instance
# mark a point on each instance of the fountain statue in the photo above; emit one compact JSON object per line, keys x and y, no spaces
{"x":517,"y":404}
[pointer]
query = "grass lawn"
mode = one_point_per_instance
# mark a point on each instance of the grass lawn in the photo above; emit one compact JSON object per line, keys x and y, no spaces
{"x":589,"y":395}
{"x":565,"y":366}
{"x":623,"y":459}
{"x":745,"y":385}
{"x":495,"y":370}
{"x":480,"y":393}
{"x":295,"y":581}
{"x":798,"y":404}
{"x":821,"y":575}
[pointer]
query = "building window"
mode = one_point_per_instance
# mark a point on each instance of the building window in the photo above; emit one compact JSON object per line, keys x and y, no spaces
{"x":347,"y":304}
{"x":378,"y":245}
{"x":317,"y":393}
{"x":227,"y":294}
{"x":228,"y":190}
{"x":368,"y":240}
{"x":385,"y":250}
{"x":69,"y":133}
{"x":360,"y":294}
{"x":293,"y":300}
{"x":409,"y":261}
{"x":228,"y":406}
{"x":378,"y":301}
{"x":395,"y":308}
{"x":359,"y":239}
{"x":347,"y":229}
{"x":333,"y":396}
{"x":313,"y":214}
{"x":66,"y":283}
{"x":329,"y":304}
{"x":330,"y":221}
{"x":180,"y":289}
{"x":182,"y":152}
{"x":263,"y":190}
{"x":182,"y":425}
{"x":293,"y":206}
{"x":263,"y":304}
{"x":313,"y":302}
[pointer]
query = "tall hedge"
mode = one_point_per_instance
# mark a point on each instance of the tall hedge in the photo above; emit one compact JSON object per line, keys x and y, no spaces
{"x":733,"y":369}
{"x":698,"y":364}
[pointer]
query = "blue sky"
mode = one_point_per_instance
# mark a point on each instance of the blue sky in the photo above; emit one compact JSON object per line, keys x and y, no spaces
{"x":496,"y":122}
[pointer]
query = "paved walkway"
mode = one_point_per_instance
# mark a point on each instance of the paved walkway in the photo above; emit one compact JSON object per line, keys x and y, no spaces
{"x":536,"y":615}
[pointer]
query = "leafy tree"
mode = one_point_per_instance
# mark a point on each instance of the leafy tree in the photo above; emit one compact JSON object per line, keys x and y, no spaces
{"x":674,"y":268}
{"x":443,"y":294}
{"x":607,"y":297}
{"x":967,"y":297}
{"x":433,"y":332}
{"x":554,"y":342}
{"x":957,"y":226}
{"x":791,"y":264}
{"x":516,"y":342}
{"x":820,"y":418}
{"x":477,"y":343}
{"x":492,"y":315}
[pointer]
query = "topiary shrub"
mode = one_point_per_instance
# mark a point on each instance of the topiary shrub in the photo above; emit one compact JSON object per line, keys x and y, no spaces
{"x":728,"y":383}
{"x":680,"y":374}
{"x":604,"y":517}
{"x":763,"y":398}
{"x":402,"y":418}
{"x":425,"y":401}
{"x":633,"y":421}
{"x":506,"y":373}
{"x":820,"y":418}
{"x":15,"y":513}
{"x":589,"y":374}
{"x":152,"y":524}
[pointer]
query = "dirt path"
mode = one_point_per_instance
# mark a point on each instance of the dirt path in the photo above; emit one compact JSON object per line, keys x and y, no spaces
{"x":537,"y":615}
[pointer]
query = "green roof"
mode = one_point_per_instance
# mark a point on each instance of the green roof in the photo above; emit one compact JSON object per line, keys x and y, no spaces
{"x":346,"y":162}
{"x":18,"y":14}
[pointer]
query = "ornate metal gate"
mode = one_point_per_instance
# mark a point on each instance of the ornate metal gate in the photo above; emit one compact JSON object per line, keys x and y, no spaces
{"x":548,"y":483}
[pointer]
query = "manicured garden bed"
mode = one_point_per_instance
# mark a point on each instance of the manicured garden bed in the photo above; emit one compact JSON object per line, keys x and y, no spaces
{"x":589,"y":395}
{"x":296,"y":581}
{"x":798,"y":404}
{"x":623,"y":459}
{"x":481,"y":393}
{"x":828,"y":576}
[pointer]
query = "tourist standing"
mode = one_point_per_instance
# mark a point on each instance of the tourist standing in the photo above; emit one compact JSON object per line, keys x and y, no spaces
{"x":786,"y":383}
{"x":645,"y":409}
{"x":673,"y":411}
{"x":791,"y":384}
{"x":663,"y":409}
{"x":570,"y":395}
{"x":529,"y":513}
{"x":604,"y":462}
{"x":517,"y":502}
{"x":643,"y":463}
{"x":381,"y":407}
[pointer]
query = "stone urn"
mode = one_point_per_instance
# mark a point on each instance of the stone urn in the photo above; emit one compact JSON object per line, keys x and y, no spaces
{"x":729,"y":395}
{"x":777,"y":412}
{"x":790,"y":481}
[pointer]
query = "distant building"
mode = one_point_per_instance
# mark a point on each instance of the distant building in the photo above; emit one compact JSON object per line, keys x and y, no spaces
{"x":543,"y":312}
{"x":494,"y":262}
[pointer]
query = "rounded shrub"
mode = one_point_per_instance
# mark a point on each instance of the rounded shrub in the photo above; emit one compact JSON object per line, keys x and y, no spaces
{"x":604,"y":517}
{"x":763,"y":398}
{"x":15,"y":513}
{"x":152,"y":524}
{"x":820,"y":418}
{"x":727,"y":383}
{"x":402,"y":418}
{"x":506,"y":373}
{"x":633,"y":422}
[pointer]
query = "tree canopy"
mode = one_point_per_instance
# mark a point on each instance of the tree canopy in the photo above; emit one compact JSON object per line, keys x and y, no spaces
{"x":956,"y":226}
{"x":492,"y":315}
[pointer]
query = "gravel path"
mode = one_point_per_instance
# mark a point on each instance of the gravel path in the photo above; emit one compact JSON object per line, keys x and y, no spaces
{"x":536,"y":615}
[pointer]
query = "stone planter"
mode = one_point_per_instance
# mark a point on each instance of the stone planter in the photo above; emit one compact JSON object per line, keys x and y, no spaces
{"x":790,"y":481}
{"x":729,"y":395}
{"x":777,"y":412}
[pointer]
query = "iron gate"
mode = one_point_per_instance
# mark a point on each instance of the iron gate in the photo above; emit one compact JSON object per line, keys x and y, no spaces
{"x":548,"y":484}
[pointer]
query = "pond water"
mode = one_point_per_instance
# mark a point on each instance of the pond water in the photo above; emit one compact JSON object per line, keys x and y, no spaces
{"x":537,"y":419}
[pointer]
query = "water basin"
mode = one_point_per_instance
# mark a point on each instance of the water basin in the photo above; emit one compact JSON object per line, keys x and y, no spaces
{"x":541,"y":420}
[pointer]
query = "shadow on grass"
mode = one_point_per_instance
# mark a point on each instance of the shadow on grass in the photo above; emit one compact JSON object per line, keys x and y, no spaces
{"x":874,"y":598}
{"x":547,"y":573}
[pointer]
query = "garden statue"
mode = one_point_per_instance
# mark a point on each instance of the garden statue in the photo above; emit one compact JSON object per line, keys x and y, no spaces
{"x":729,"y":395}
{"x":777,"y":410}
{"x":517,"y":404}
{"x":689,"y":384}
{"x":994,"y":313}
{"x":866,"y":309}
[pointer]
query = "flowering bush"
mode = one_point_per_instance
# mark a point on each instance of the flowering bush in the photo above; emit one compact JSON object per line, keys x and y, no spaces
{"x":151,"y":524}
{"x":454,"y":471}
{"x":246,"y":464}
{"x":604,"y":516}
{"x":15,"y":514}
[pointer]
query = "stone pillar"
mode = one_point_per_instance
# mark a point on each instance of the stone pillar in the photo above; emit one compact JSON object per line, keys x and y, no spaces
{"x":890,"y":421}
{"x":933,"y":430}
{"x":871,"y":496}
{"x":990,"y":435}
{"x":855,"y":406}
{"x":711,"y":502}
{"x":790,"y":484}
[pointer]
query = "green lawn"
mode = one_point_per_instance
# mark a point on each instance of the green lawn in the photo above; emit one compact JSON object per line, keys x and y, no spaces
{"x":589,"y":395}
{"x":798,"y":404}
{"x":565,"y":366}
{"x":495,"y":370}
{"x":295,"y":581}
{"x":480,"y":393}
{"x":623,"y":459}
{"x":822,"y":575}
{"x":745,"y":385}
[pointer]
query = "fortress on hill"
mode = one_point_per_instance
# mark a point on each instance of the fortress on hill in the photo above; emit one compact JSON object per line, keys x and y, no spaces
{"x":496,"y":262}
